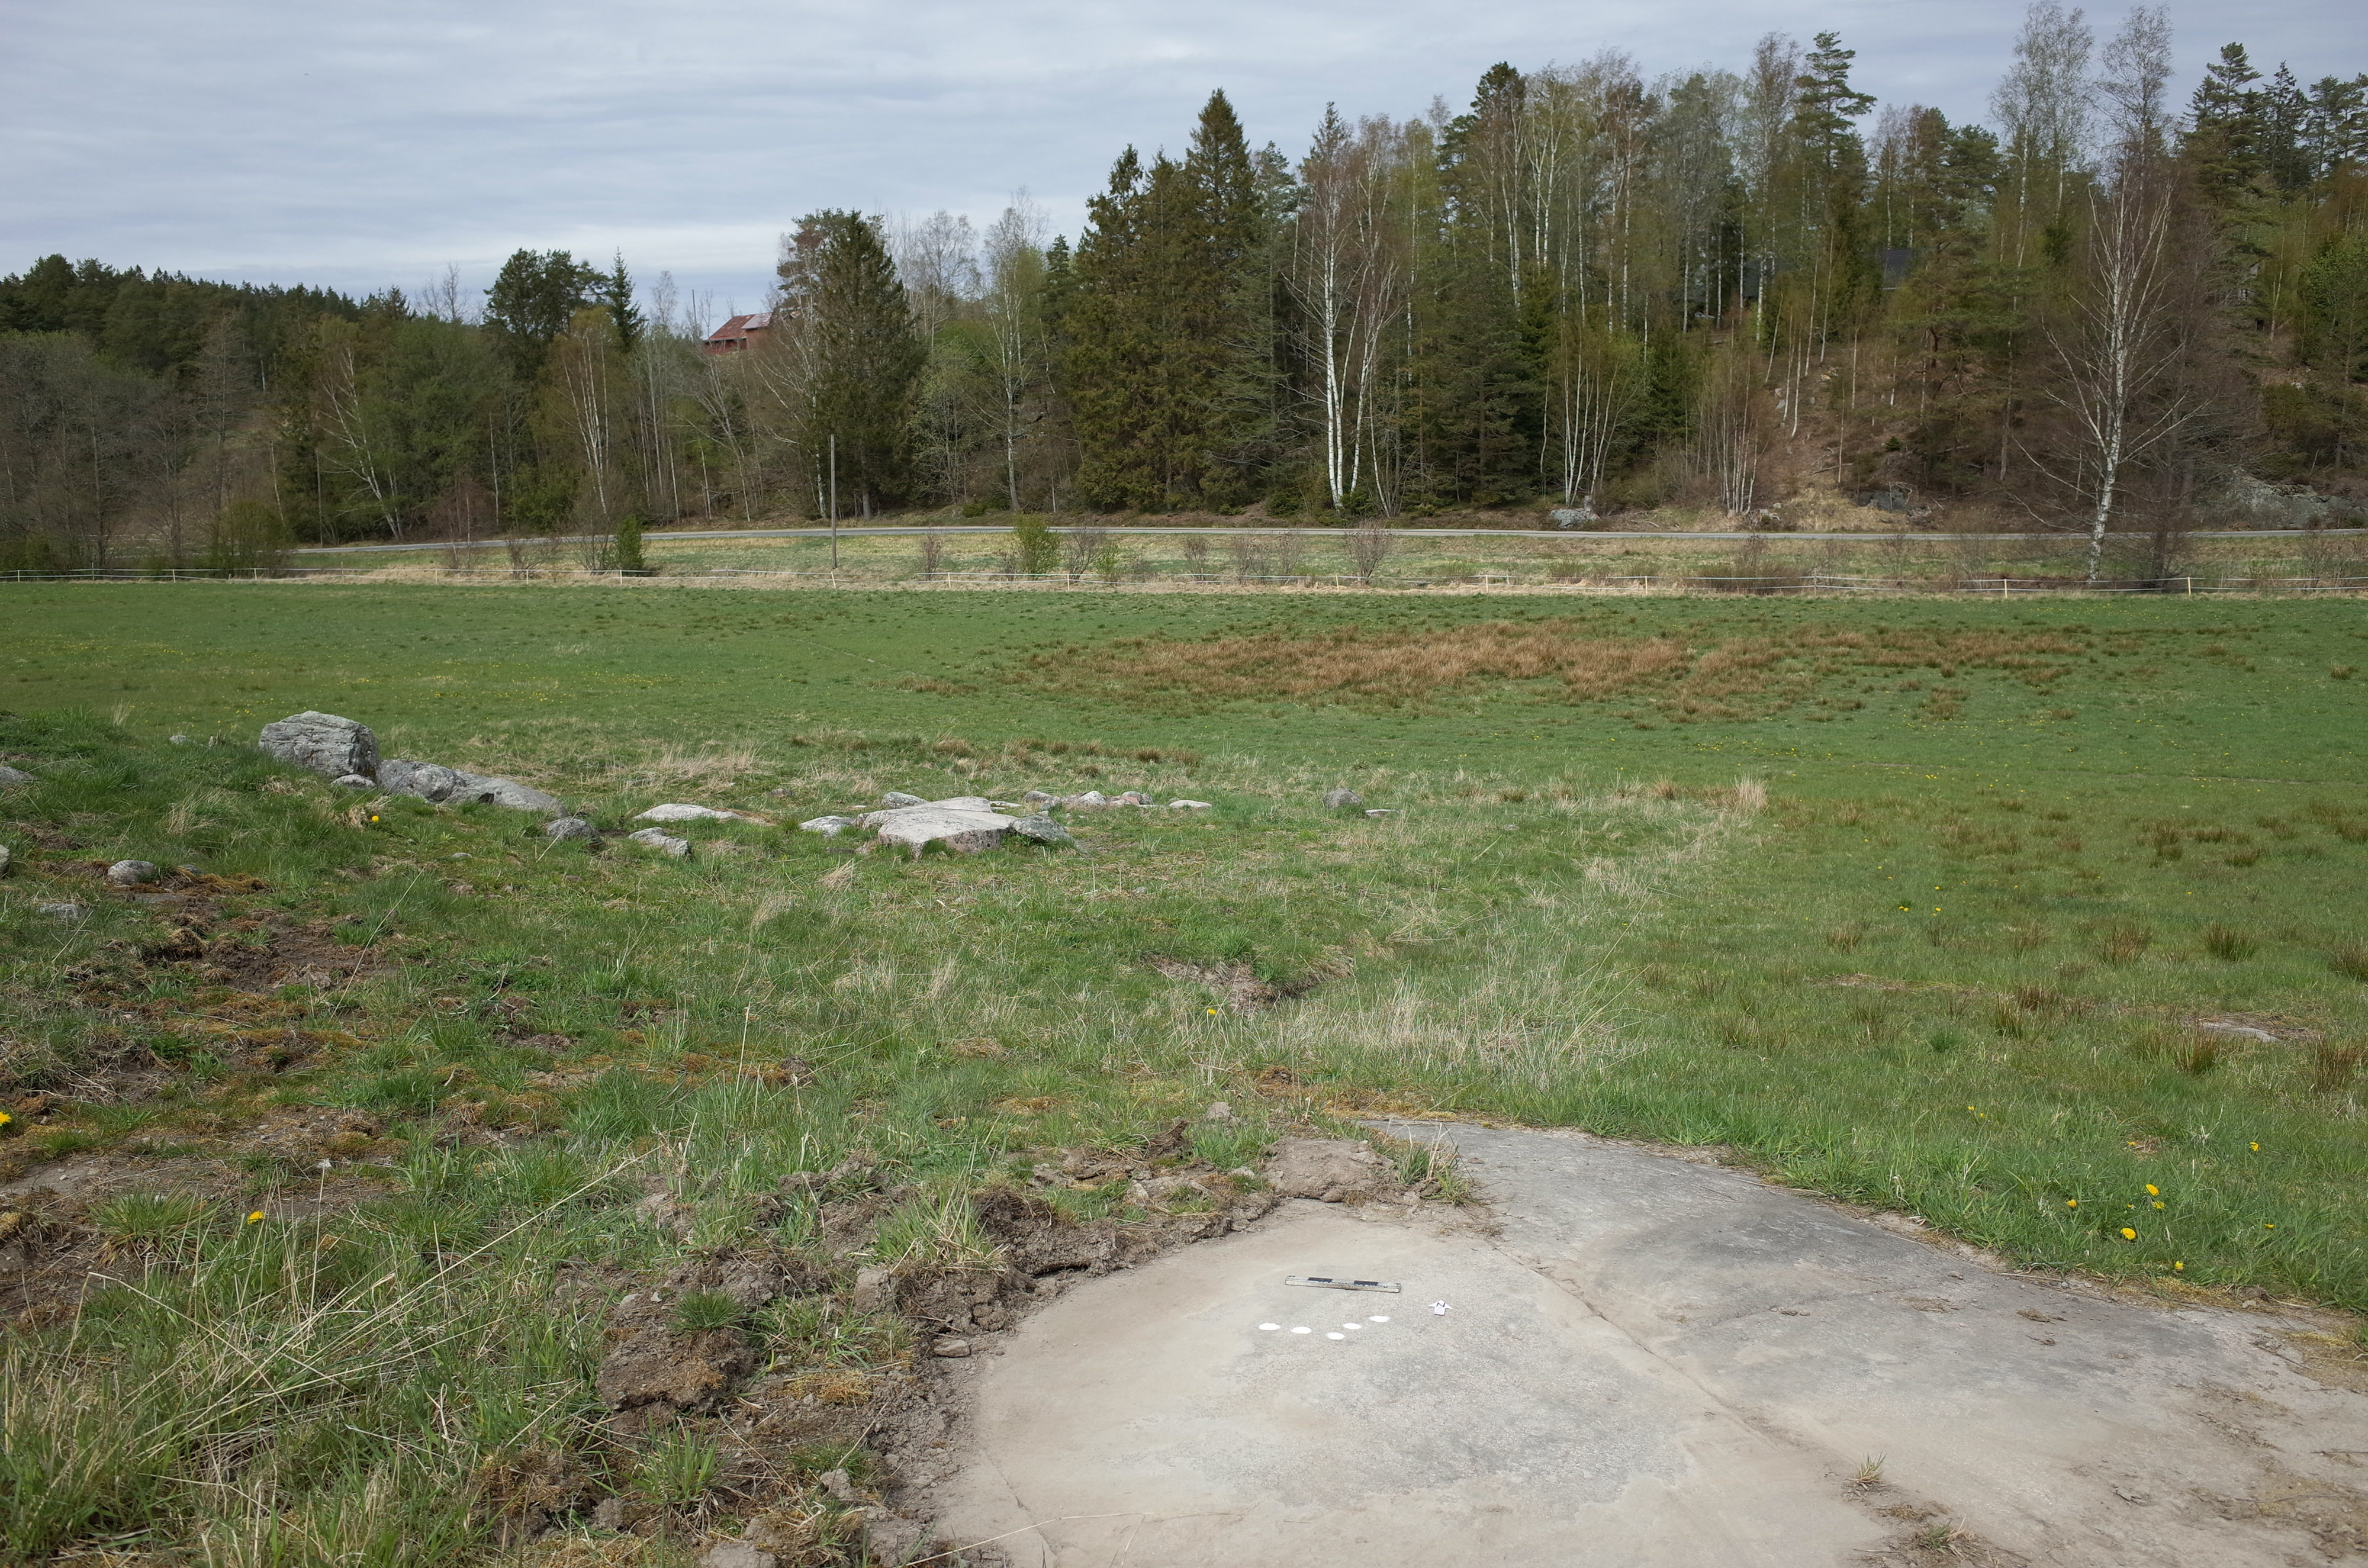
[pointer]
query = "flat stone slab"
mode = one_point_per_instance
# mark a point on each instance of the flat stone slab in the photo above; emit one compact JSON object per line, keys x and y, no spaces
{"x":1651,"y":1362}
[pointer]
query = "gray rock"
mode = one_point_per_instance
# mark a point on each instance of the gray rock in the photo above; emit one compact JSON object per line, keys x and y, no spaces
{"x":571,"y":828}
{"x":1218,"y":1111}
{"x":1190,"y":806}
{"x":13,"y":778}
{"x":323,"y":743}
{"x":1332,"y":1170}
{"x":895,"y":797}
{"x":1039,"y":798}
{"x":1572,"y":516}
{"x":738,"y":1554}
{"x":180,"y":740}
{"x":963,"y":832}
{"x":677,"y":810}
{"x":517,"y":797}
{"x":677,"y":847}
{"x":838,"y":1485}
{"x":1091,"y":800}
{"x":61,"y":911}
{"x":951,"y":1348}
{"x":439,"y":784}
{"x":131,"y":873}
{"x":356,"y":781}
{"x":1043,"y":830}
{"x":425,"y":780}
{"x":964,"y":803}
{"x":1340,"y":799}
{"x":829,"y":826}
{"x":1383,"y":811}
{"x":3,"y":860}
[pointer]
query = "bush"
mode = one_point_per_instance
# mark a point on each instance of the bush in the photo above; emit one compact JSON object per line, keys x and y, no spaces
{"x":1035,"y":549}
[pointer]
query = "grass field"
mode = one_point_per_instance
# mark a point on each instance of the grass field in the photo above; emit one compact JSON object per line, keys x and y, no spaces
{"x":1225,"y":554}
{"x":1977,"y":912}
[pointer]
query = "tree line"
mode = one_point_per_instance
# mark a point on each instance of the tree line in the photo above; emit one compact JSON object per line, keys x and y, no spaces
{"x":1586,"y":287}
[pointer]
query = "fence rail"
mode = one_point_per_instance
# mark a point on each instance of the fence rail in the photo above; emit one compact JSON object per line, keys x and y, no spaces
{"x":1809,"y":582}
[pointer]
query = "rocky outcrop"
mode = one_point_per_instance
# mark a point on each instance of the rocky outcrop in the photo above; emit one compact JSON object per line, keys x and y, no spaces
{"x":438,"y":785}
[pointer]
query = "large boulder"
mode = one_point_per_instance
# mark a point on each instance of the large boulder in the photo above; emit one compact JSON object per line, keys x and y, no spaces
{"x":964,"y":831}
{"x":322,"y":743}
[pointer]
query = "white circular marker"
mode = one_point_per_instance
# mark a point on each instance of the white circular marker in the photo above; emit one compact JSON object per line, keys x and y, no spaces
{"x":1352,"y":1325}
{"x":1269,"y":1327}
{"x":1336,"y":1336}
{"x":1379,"y":1318}
{"x":1300,"y":1331}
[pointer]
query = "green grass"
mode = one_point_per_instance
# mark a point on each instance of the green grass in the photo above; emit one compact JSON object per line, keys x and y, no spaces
{"x":1947,"y":958}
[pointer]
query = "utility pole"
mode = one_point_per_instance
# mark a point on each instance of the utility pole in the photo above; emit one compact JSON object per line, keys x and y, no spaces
{"x":833,"y":502}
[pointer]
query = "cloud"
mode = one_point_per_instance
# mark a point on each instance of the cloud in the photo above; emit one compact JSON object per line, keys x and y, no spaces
{"x":362,"y":146}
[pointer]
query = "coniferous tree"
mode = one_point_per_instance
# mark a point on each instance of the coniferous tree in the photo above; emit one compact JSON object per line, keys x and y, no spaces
{"x":851,"y":326}
{"x":532,"y":300}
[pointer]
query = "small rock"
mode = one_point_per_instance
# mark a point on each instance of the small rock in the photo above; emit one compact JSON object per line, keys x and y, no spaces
{"x":180,"y":740}
{"x":677,"y":810}
{"x":1091,"y":800}
{"x":3,"y":860}
{"x":677,"y":847}
{"x":736,"y":1554}
{"x":61,"y":911}
{"x":570,"y":828}
{"x":1042,"y":829}
{"x":1132,"y":798}
{"x":323,"y":743}
{"x":829,"y":827}
{"x":875,"y":1290}
{"x":13,"y":778}
{"x":839,"y":1485}
{"x":356,"y":781}
{"x":951,"y":1348}
{"x":1220,"y":1111}
{"x":1038,"y":797}
{"x":1381,"y":811}
{"x":131,"y":873}
{"x":1340,"y":799}
{"x":608,"y":1514}
{"x":1190,"y":806}
{"x":895,"y":797}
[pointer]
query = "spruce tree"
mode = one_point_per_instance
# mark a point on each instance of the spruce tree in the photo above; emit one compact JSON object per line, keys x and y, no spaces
{"x":532,"y":301}
{"x":862,"y":354}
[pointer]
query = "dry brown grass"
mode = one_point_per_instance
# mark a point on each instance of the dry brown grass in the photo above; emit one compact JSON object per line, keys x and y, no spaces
{"x":1373,"y":668}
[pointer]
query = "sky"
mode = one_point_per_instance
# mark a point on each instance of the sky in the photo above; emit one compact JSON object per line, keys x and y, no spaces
{"x":363,"y":146}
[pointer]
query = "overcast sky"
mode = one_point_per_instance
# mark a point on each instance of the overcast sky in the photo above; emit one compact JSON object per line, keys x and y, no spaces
{"x":359,"y":146}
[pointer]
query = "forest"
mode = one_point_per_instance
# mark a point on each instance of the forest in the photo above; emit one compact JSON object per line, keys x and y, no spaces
{"x":1587,"y":291}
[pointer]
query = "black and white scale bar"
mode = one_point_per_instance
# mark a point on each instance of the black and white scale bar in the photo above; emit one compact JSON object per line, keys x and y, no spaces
{"x":1323,"y":1283}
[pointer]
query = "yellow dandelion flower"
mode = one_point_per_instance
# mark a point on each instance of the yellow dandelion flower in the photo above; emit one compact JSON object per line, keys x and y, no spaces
{"x":255,"y":1218}
{"x":6,"y":1118}
{"x":2267,"y":1226}
{"x":2128,"y":1235}
{"x":2256,"y":1148}
{"x":2158,"y":1202}
{"x":2179,"y":1268}
{"x":2071,"y":1203}
{"x":2153,"y":1191}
